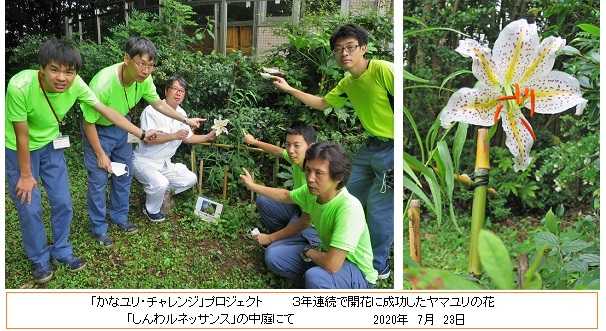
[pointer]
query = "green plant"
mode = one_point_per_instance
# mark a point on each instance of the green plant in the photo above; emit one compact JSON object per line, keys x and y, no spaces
{"x":572,"y":261}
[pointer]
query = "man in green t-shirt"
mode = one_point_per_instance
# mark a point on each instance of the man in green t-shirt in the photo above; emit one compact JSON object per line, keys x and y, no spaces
{"x":36,"y":104}
{"x":368,"y":85}
{"x":343,"y":256}
{"x":276,"y":215}
{"x":119,"y":86}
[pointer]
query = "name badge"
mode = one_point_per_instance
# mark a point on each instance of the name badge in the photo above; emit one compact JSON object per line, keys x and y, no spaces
{"x":61,"y":142}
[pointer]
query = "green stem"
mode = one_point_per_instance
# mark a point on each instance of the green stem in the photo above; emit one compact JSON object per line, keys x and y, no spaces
{"x":478,"y":214}
{"x":428,"y":86}
{"x":534,"y":266}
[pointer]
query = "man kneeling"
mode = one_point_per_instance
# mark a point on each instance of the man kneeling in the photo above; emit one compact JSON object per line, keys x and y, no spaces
{"x":343,"y":258}
{"x":152,"y":162}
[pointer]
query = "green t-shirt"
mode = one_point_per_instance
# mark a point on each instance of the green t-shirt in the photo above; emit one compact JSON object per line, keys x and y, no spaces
{"x":298,"y":175}
{"x":341,"y":224}
{"x":25,"y":102}
{"x":371,"y":95}
{"x":106,"y":85}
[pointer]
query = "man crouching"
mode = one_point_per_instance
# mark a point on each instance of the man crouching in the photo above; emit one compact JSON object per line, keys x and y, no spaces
{"x":343,"y":258}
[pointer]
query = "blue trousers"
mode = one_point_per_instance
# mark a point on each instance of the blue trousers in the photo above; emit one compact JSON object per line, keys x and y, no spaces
{"x":276,"y":215}
{"x":367,"y":183}
{"x":283,"y":258}
{"x":48,"y":166}
{"x":113,"y":141}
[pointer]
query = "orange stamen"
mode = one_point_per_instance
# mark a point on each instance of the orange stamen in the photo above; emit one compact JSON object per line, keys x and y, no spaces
{"x":533,"y":100}
{"x":497,"y":114}
{"x":526,"y":91}
{"x":506,"y":97}
{"x":517,"y":94}
{"x":528,"y":128}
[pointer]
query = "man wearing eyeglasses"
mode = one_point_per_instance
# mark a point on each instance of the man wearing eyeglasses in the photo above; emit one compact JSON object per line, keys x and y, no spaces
{"x":368,"y":85}
{"x":152,"y":164}
{"x":119,"y":86}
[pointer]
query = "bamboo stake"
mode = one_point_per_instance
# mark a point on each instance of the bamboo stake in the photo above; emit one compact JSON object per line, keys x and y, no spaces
{"x":252,"y":193}
{"x":192,"y":158}
{"x":200,"y":176}
{"x":225,"y":183}
{"x":478,"y":212}
{"x":275,"y":171}
{"x":414,"y":230}
{"x":231,"y":146}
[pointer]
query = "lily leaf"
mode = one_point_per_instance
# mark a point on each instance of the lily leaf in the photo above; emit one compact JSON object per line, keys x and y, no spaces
{"x":410,"y":76}
{"x":552,"y":222}
{"x":590,"y":28}
{"x":495,"y":260}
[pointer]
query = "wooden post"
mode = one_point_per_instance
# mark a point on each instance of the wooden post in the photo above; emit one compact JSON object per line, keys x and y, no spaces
{"x":126,"y":12}
{"x":225,"y":183}
{"x":192,"y":158}
{"x":80,"y":26}
{"x":97,"y":13}
{"x":276,"y":169}
{"x":200,"y":176}
{"x":223,"y":29}
{"x":252,"y":193}
{"x":414,"y":230}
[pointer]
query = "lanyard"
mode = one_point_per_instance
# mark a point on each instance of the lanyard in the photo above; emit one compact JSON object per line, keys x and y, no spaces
{"x":50,"y":104}
{"x":125,"y":94}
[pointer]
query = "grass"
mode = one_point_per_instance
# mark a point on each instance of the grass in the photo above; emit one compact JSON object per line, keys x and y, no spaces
{"x":182,"y":252}
{"x":444,"y":248}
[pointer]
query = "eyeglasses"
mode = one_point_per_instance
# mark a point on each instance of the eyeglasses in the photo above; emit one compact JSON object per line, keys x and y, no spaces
{"x":349,"y":49}
{"x":179,"y":90}
{"x":141,"y":66}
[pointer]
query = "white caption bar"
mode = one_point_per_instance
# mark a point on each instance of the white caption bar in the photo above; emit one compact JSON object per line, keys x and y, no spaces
{"x":309,"y":310}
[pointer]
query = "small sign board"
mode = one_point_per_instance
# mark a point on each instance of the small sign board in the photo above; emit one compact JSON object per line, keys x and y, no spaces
{"x":207,"y":209}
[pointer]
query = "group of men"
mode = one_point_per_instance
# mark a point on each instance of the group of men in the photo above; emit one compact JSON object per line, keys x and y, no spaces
{"x":36,"y":104}
{"x":333,"y":230}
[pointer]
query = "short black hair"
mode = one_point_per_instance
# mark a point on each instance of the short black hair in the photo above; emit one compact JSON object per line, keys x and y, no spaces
{"x":60,"y":51}
{"x":140,"y":46}
{"x":176,"y":78}
{"x":307,"y":131}
{"x":339,"y":166}
{"x":347,"y":31}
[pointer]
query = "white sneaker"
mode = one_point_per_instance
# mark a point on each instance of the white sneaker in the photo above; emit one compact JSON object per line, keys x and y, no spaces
{"x":384,"y":275}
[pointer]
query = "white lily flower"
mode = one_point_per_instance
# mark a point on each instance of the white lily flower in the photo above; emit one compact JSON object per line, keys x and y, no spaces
{"x":517,"y":74}
{"x":219,"y":126}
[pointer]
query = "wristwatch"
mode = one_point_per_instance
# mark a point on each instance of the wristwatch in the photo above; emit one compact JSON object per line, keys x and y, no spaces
{"x":142,"y":134}
{"x":303,"y":254}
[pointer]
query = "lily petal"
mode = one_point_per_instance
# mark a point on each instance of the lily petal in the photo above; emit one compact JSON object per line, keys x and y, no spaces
{"x":475,"y":106}
{"x":556,"y":92}
{"x":543,"y":60}
{"x":518,"y":138}
{"x":580,"y":108}
{"x":514,"y":50}
{"x":483,"y":67}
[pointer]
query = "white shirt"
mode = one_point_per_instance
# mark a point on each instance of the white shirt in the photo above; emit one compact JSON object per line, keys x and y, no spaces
{"x":153,"y":119}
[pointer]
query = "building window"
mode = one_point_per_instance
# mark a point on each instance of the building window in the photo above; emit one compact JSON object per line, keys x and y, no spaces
{"x":279,"y":8}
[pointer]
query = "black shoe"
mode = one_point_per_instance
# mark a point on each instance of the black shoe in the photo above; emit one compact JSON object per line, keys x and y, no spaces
{"x":128,"y":228}
{"x":104,"y":241}
{"x":73,"y":263}
{"x":156,"y":218}
{"x":42,"y":273}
